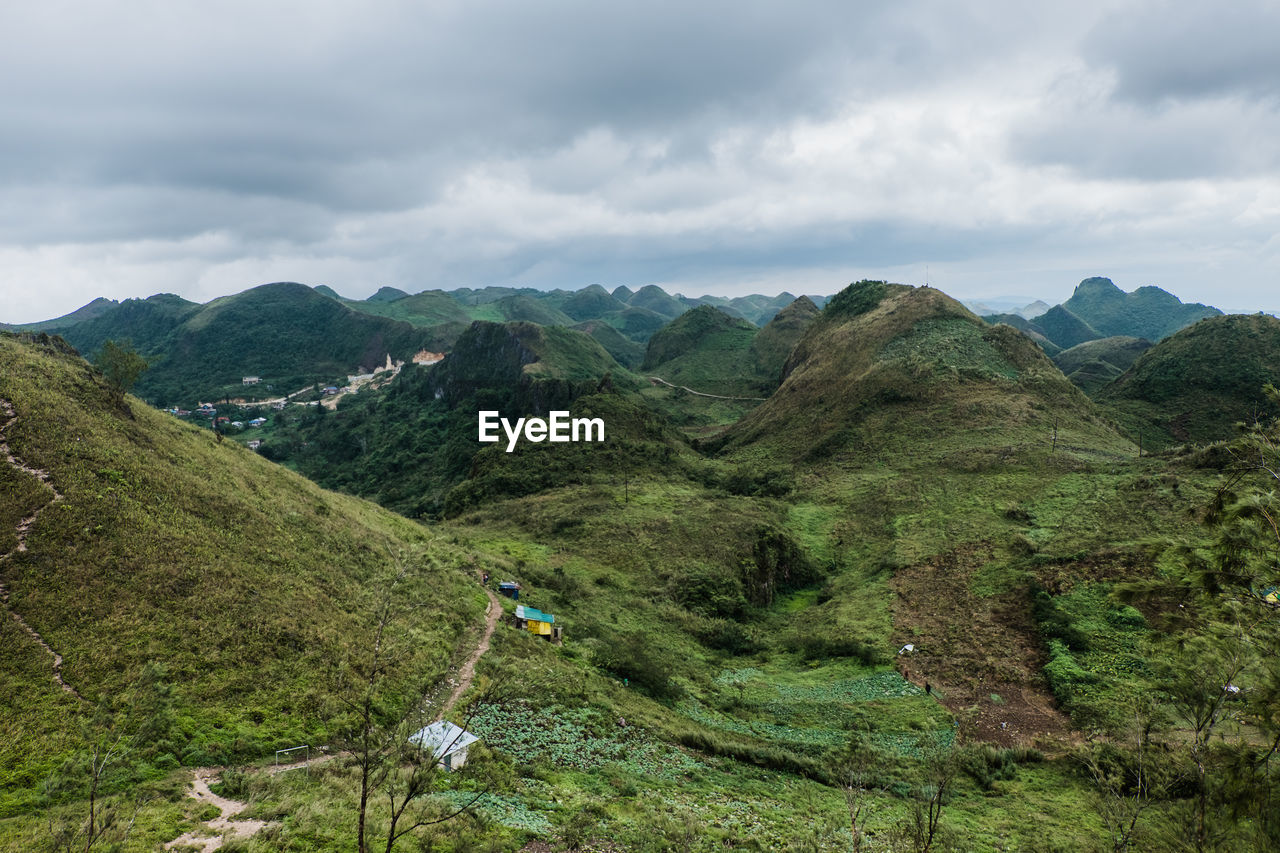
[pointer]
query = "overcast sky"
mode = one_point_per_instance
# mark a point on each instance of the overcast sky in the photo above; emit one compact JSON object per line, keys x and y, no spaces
{"x":711,"y":147}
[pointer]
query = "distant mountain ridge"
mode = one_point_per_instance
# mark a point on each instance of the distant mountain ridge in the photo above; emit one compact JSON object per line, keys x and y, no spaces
{"x":1098,"y":309}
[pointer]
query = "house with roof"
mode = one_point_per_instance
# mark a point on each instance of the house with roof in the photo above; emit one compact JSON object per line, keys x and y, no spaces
{"x":536,"y":622}
{"x":257,"y":422}
{"x":510,"y":589}
{"x":447,"y":742}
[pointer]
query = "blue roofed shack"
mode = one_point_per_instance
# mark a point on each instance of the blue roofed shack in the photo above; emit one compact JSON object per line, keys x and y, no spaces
{"x":510,"y":589}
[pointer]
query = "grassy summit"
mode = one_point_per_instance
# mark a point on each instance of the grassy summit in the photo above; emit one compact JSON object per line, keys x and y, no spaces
{"x":889,"y":366}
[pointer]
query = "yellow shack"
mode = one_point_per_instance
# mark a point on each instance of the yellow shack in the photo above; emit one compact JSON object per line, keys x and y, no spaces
{"x":534,"y":620}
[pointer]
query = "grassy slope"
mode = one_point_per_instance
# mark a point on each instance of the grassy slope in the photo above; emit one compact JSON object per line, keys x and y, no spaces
{"x":1093,"y":364}
{"x":246,"y":582}
{"x":706,"y":350}
{"x":1197,"y":384}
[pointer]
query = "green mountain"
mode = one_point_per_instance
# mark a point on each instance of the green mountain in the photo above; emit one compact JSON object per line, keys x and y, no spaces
{"x":773,"y":344}
{"x":1064,"y":328}
{"x":148,"y":323}
{"x":1093,"y":364}
{"x":591,"y":303}
{"x":96,"y":308}
{"x":890,"y":366}
{"x":387,"y":294}
{"x":407,"y":446}
{"x":1022,"y":324}
{"x":706,"y":350}
{"x":1194,"y":386}
{"x":523,"y":308}
{"x":655,"y":299}
{"x":1147,"y":312}
{"x":217,"y":593}
{"x":626,"y":352}
{"x":286,"y":333}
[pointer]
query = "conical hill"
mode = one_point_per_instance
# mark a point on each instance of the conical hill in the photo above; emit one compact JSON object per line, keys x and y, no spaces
{"x":893,"y":369}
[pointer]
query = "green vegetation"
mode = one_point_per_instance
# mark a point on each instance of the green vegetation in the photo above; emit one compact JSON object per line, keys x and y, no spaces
{"x":175,"y":564}
{"x":1197,"y":385}
{"x":706,"y":350}
{"x":1093,"y":364}
{"x":924,"y":597}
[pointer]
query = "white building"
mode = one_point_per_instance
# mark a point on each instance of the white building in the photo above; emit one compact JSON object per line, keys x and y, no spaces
{"x":447,"y":742}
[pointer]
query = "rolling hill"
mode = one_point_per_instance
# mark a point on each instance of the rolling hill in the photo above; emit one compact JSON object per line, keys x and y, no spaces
{"x":1093,"y":364}
{"x":1196,"y":385}
{"x":286,"y":333}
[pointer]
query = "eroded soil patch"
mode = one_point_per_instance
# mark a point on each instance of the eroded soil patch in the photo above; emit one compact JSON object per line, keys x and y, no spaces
{"x":981,"y":656}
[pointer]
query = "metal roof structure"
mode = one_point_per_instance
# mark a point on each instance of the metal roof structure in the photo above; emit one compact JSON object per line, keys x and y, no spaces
{"x":533,"y":615}
{"x":443,"y":738}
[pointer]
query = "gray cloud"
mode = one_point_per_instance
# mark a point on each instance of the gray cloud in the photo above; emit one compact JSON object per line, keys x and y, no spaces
{"x":205,"y":148}
{"x":1168,"y":50}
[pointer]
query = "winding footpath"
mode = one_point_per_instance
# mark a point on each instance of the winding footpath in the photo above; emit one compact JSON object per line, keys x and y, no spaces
{"x":223,"y":824}
{"x":467,"y":673}
{"x":658,"y":379}
{"x":229,"y":829}
{"x":22,"y":530}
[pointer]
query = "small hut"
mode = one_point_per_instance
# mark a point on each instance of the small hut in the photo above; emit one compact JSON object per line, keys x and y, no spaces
{"x":536,"y":622}
{"x":510,"y":589}
{"x":447,"y":742}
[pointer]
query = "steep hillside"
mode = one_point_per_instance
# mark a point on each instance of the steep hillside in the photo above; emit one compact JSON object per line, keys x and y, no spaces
{"x":1194,"y":386}
{"x":1022,"y":324}
{"x":1064,"y":328}
{"x":155,"y":552}
{"x":889,"y":366}
{"x":705,"y":349}
{"x":148,"y":323}
{"x":655,"y":299}
{"x":1093,"y":364}
{"x":96,"y":308}
{"x":626,"y":352}
{"x":591,"y":303}
{"x":773,"y":344}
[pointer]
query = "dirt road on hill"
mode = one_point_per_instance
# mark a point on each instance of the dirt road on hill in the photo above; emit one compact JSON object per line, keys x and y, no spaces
{"x":659,"y":379}
{"x":22,"y":529}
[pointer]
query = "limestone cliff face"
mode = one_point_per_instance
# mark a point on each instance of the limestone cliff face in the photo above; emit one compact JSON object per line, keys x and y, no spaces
{"x":532,"y":368}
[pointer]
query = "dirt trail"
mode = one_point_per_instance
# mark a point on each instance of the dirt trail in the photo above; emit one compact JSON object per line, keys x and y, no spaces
{"x":22,"y":530}
{"x":467,"y":673}
{"x":232,"y":829}
{"x":700,"y":394}
{"x":223,"y":825}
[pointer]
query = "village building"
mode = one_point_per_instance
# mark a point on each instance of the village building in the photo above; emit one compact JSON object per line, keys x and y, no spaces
{"x":250,"y":380}
{"x":510,"y":589}
{"x":447,"y":742}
